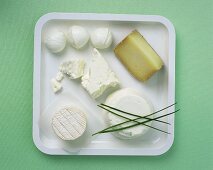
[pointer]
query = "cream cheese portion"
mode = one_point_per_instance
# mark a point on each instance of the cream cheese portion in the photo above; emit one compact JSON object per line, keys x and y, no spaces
{"x":131,"y":101}
{"x":99,"y":76}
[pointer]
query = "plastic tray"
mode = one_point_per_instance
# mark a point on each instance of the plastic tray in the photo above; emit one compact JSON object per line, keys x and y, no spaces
{"x":160,"y":89}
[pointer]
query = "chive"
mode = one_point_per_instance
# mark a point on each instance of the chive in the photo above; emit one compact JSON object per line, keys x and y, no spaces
{"x":132,"y":120}
{"x":145,"y":117}
{"x":122,"y":128}
{"x":140,"y":118}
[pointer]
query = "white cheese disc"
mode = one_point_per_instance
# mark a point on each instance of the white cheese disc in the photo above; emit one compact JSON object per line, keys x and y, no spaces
{"x":130,"y":101}
{"x":69,"y":123}
{"x":99,"y":76}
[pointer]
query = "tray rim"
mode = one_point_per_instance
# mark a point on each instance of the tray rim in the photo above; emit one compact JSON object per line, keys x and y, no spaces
{"x":100,"y":17}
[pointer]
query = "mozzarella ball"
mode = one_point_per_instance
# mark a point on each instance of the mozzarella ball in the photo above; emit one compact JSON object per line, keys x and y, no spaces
{"x":77,"y":36}
{"x":56,"y":42}
{"x":101,"y":38}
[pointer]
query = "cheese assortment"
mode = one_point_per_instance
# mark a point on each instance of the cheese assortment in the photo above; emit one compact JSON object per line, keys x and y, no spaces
{"x":95,"y":76}
{"x":118,"y":71}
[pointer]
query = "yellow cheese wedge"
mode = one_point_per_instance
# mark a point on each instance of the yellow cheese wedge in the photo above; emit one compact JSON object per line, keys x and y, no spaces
{"x":138,"y":56}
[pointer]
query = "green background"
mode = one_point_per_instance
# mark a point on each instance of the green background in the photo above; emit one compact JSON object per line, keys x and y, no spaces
{"x":193,"y":146}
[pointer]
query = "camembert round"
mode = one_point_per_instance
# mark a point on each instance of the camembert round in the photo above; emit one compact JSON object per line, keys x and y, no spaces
{"x":69,"y":123}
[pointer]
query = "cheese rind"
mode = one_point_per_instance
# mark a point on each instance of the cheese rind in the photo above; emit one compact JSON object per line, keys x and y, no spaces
{"x":138,"y":56}
{"x":69,"y":123}
{"x":99,"y":76}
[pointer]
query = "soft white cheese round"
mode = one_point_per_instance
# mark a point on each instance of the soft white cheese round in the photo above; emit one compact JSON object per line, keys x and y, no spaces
{"x":131,"y":101}
{"x":101,"y":38}
{"x":69,"y":123}
{"x":56,"y":41}
{"x":77,"y":36}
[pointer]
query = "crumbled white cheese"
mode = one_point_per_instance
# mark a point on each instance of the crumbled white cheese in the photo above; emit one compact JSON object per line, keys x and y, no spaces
{"x":56,"y":86}
{"x":99,"y":76}
{"x":73,"y":68}
{"x":59,"y":76}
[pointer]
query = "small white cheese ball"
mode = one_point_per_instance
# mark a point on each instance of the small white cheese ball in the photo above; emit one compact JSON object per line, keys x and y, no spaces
{"x":101,"y":38}
{"x":77,"y":36}
{"x":56,"y":41}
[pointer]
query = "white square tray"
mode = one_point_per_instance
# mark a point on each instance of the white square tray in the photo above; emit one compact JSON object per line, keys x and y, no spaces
{"x":160,"y":89}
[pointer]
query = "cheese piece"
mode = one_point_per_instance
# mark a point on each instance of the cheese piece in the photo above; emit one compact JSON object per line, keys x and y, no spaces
{"x":73,"y":68}
{"x":56,"y":86}
{"x":99,"y":76}
{"x":138,"y":56}
{"x":101,"y":38}
{"x":59,"y":76}
{"x":56,"y":41}
{"x":77,"y":36}
{"x":69,"y":123}
{"x":131,"y":101}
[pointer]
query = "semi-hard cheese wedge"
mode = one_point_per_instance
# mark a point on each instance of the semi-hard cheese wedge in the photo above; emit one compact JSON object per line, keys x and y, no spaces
{"x":138,"y":56}
{"x":69,"y":123}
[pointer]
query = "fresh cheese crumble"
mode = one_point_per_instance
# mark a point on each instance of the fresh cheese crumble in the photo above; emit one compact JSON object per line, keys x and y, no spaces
{"x":73,"y":68}
{"x":99,"y":76}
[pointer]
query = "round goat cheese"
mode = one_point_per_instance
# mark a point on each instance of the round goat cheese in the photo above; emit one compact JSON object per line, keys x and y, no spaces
{"x":130,"y":101}
{"x":101,"y":38}
{"x":77,"y":36}
{"x":56,"y":41}
{"x":69,"y":123}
